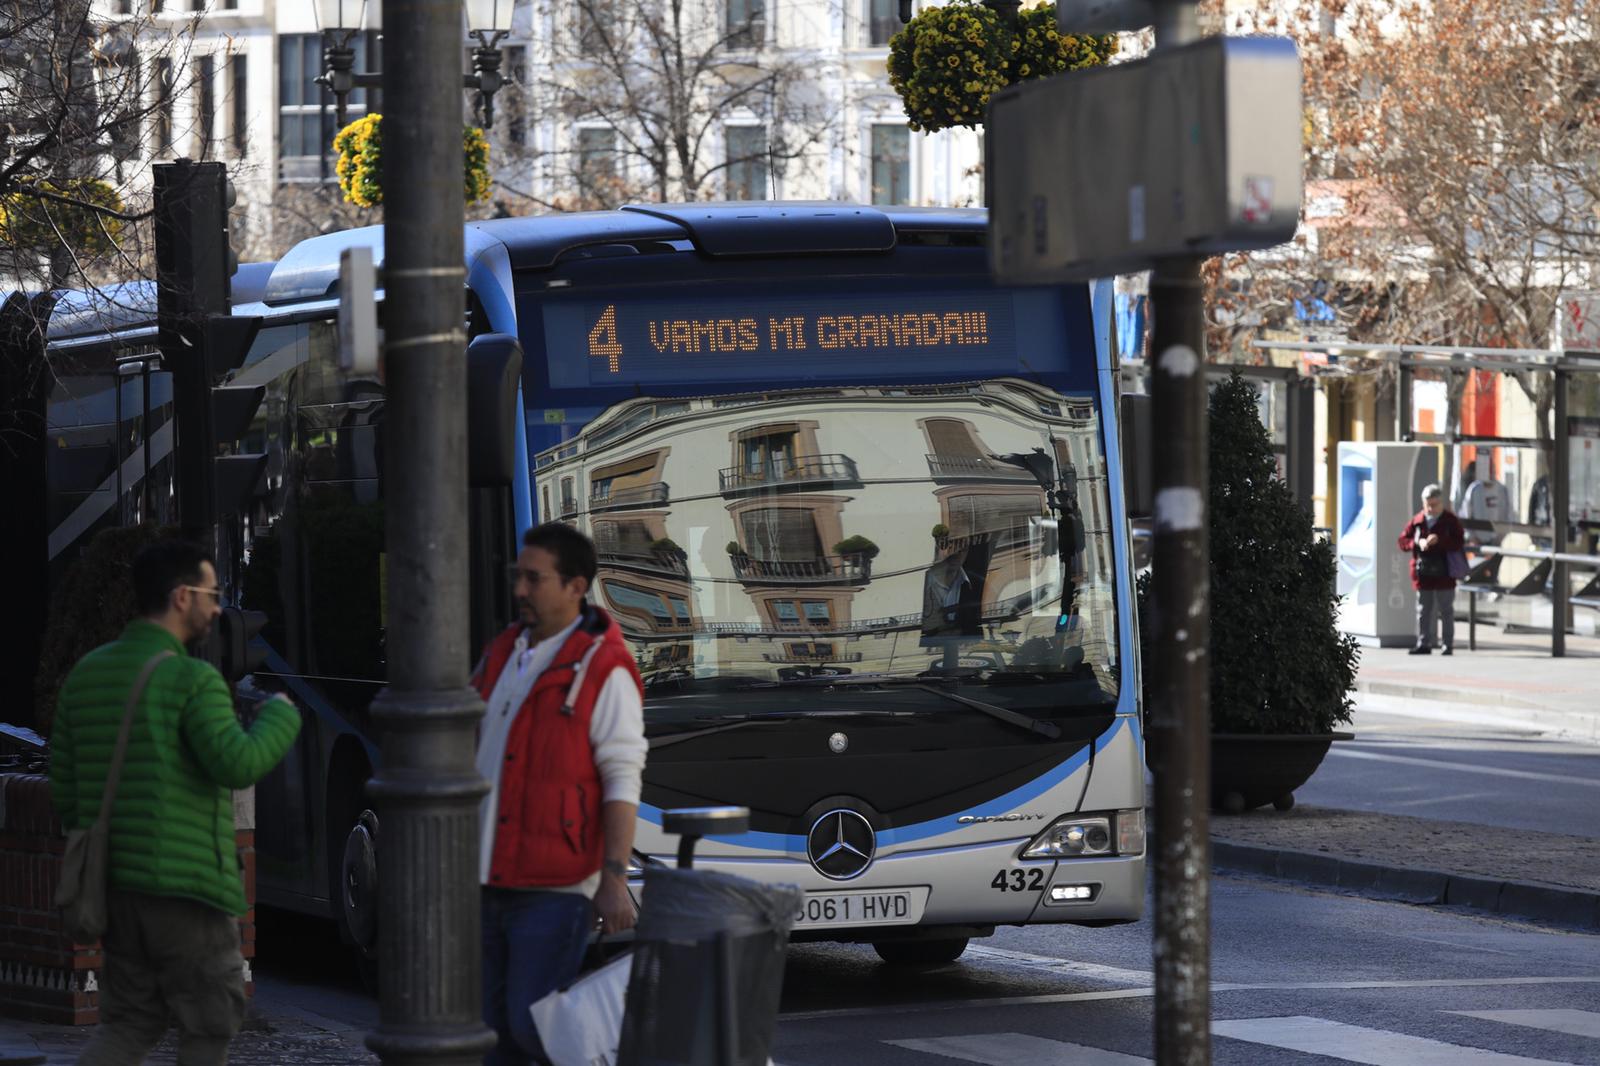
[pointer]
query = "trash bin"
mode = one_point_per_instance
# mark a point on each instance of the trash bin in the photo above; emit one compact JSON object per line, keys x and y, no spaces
{"x":708,"y":960}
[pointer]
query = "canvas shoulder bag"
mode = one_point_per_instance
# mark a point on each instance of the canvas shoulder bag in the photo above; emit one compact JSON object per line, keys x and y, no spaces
{"x":81,"y":893}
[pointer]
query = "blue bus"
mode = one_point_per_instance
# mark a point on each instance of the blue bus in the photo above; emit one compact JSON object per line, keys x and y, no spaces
{"x":859,"y":511}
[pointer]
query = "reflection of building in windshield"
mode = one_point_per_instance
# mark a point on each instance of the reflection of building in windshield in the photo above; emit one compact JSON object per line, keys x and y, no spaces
{"x":847,"y":530}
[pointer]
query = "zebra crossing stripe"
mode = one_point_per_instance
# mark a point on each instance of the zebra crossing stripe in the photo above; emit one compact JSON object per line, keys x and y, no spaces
{"x":1570,"y":1022}
{"x":1354,"y":1043}
{"x":1008,"y":1049}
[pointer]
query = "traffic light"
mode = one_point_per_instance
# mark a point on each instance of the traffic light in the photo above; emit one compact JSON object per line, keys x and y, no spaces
{"x":202,"y":342}
{"x":240,"y":652}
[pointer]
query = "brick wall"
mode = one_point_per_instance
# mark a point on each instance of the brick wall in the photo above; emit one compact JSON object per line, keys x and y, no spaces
{"x":43,"y":976}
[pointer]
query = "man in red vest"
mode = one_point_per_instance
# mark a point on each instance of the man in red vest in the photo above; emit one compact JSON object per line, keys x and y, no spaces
{"x":563,"y":748}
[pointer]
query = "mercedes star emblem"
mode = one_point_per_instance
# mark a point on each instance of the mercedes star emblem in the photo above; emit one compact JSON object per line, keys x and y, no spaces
{"x":837,"y":743}
{"x":841,"y":844}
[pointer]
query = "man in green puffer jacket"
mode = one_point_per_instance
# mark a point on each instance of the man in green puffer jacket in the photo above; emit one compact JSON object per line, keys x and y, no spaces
{"x":172,"y":939}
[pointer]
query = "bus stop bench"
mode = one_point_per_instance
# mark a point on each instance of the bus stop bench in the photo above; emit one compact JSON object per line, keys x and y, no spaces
{"x":1484,"y":580}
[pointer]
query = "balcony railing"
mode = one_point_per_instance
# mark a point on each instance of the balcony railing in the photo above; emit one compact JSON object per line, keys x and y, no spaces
{"x":811,"y":657}
{"x":859,"y":625}
{"x":569,"y":507}
{"x":975,"y":467}
{"x":673,"y":562}
{"x":821,"y":570}
{"x":638,"y":496}
{"x":790,"y":473}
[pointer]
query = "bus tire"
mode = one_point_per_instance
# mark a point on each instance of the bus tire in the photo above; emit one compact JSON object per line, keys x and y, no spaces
{"x":920,"y":952}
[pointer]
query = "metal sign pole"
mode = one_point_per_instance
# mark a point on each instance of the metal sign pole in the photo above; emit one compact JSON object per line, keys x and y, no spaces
{"x":1180,"y":728}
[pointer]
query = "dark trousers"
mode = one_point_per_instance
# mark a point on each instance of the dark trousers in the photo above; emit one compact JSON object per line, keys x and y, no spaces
{"x":1440,"y":604}
{"x":169,"y":961}
{"x":533,"y":944}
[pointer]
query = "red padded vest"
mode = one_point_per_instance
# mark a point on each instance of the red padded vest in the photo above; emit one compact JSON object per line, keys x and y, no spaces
{"x":549,"y":830}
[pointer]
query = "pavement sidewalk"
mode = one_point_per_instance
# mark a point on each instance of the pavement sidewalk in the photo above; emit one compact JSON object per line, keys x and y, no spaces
{"x":1511,"y":679}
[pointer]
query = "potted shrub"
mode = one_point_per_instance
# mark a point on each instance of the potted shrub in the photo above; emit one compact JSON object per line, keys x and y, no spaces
{"x":858,"y":550}
{"x":950,"y":59}
{"x":1273,"y":715}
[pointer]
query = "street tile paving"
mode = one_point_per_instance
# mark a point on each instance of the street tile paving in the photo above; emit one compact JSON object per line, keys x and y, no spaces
{"x":261,"y":1043}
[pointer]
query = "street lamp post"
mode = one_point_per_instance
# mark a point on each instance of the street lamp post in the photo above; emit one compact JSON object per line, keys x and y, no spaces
{"x":340,"y":21}
{"x":487,"y":21}
{"x":427,"y":788}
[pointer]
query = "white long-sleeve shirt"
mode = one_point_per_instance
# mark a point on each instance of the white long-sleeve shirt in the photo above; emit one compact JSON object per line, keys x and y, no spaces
{"x":616,"y":733}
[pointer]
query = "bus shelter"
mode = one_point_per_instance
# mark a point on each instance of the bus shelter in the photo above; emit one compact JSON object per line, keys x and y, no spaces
{"x":1574,"y":516}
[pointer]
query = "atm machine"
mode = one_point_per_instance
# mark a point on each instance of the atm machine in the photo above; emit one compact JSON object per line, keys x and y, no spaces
{"x":1380,"y":488}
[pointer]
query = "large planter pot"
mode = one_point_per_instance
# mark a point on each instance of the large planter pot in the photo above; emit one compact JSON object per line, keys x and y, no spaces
{"x":1252,"y":770}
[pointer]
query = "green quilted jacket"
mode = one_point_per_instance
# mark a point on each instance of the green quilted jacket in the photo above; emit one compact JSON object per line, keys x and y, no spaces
{"x":172,"y":830}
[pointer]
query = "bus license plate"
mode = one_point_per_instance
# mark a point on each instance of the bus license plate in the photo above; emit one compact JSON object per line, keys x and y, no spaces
{"x":883,"y":906}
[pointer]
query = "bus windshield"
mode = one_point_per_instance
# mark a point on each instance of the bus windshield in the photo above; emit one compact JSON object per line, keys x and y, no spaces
{"x":850,"y":531}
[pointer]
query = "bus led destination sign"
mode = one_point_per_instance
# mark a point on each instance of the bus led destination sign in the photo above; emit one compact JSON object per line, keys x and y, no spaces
{"x":798,"y":333}
{"x":722,"y":340}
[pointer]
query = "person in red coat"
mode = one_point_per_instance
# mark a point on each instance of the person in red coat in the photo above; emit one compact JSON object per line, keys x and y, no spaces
{"x":1431,"y":535}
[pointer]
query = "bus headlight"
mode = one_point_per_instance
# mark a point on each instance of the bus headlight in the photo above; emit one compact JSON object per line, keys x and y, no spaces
{"x":1078,"y":836}
{"x":1070,"y":838}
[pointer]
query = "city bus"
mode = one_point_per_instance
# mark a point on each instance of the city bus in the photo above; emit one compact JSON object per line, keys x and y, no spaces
{"x":858,"y":511}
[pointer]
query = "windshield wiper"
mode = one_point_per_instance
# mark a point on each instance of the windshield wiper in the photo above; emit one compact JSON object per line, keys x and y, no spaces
{"x":1048,"y":730}
{"x":740,"y":721}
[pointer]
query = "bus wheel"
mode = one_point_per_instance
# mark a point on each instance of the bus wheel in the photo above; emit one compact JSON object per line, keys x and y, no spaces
{"x":920,"y":952}
{"x":358,"y":888}
{"x":1284,"y":802}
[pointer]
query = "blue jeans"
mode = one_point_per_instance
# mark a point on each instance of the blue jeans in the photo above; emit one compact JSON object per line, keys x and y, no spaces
{"x":533,"y":944}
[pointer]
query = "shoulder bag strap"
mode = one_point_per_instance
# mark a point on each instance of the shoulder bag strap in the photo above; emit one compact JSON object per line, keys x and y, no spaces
{"x":114,"y":774}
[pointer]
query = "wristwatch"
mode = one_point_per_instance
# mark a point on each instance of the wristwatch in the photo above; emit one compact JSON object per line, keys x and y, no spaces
{"x":612,"y":866}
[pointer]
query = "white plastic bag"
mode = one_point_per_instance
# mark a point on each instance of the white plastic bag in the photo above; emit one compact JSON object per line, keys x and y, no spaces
{"x":582,"y":1025}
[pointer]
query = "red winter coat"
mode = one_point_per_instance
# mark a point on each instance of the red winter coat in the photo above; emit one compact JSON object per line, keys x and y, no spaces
{"x":1452,"y":538}
{"x":549,"y":830}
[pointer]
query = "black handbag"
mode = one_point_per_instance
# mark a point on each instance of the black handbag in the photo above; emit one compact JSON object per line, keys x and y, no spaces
{"x":1432,"y":566}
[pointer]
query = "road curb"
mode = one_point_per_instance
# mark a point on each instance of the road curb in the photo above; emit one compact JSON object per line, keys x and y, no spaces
{"x":1490,"y":708}
{"x":1554,"y":904}
{"x":1476,"y":697}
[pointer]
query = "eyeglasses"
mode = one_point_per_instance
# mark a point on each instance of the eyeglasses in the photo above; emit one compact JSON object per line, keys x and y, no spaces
{"x":215,"y":594}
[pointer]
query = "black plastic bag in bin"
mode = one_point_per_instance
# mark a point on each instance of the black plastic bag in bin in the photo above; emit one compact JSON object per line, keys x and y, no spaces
{"x":707,"y":969}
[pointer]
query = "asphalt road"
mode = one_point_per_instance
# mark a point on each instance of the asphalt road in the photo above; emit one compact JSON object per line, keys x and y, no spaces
{"x":1436,"y":767}
{"x":1298,"y":978}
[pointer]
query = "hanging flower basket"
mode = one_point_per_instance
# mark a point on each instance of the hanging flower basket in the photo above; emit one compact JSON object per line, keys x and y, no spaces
{"x":949,"y":60}
{"x":29,"y":221}
{"x":360,"y":162}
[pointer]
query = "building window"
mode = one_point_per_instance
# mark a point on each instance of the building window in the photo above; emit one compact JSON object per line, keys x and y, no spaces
{"x":569,"y":498}
{"x":597,"y":162}
{"x":664,"y":610}
{"x":891,"y":164}
{"x":1006,"y":517}
{"x":747,"y":23}
{"x":781,"y":534}
{"x":817,"y":614}
{"x":517,"y":119}
{"x":163,"y":109}
{"x":205,"y":101}
{"x":120,"y":76}
{"x":747,"y":162}
{"x":883,"y":21}
{"x":305,"y":109}
{"x":769,"y":457}
{"x":239,"y":75}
